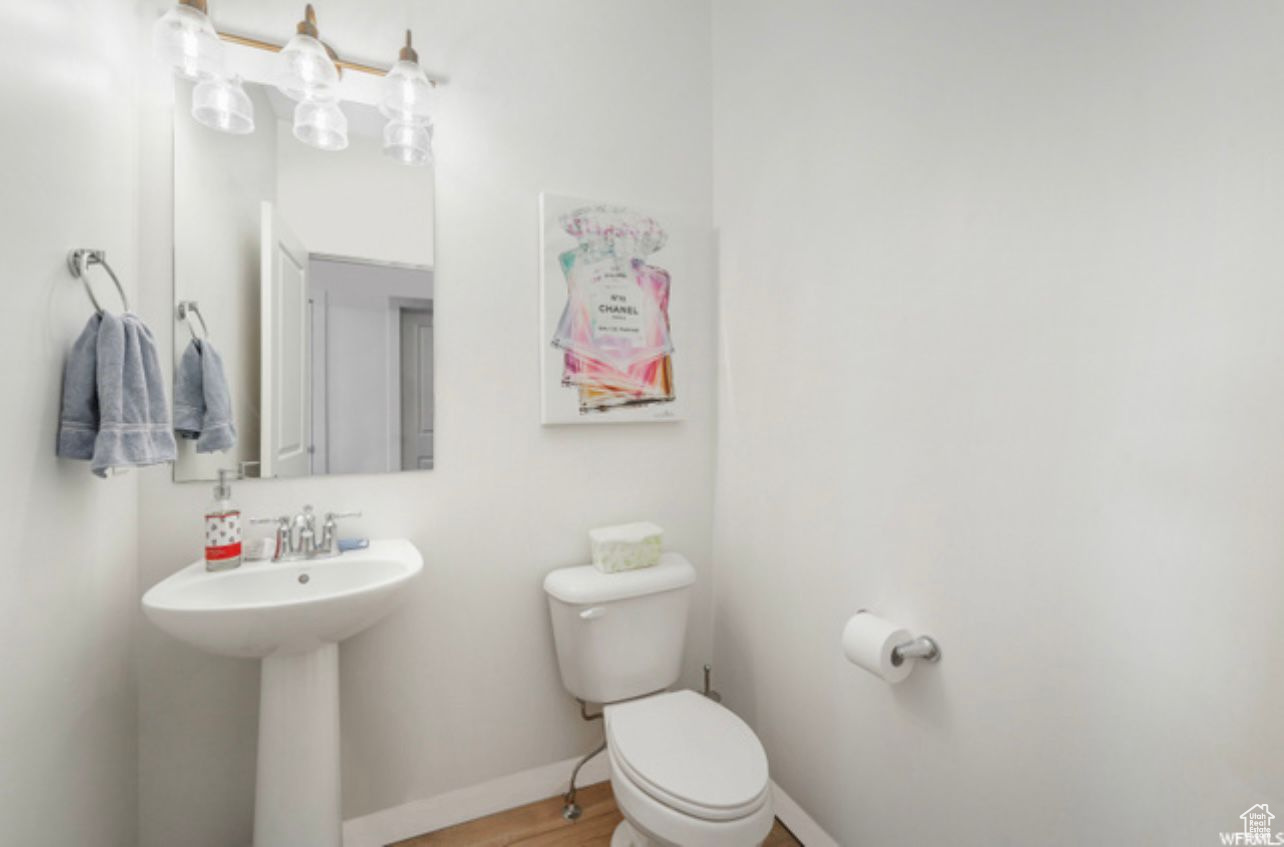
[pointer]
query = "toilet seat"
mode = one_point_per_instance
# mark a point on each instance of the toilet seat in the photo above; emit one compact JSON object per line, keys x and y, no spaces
{"x":689,"y":754}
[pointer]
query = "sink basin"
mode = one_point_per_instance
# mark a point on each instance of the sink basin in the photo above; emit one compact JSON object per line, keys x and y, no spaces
{"x":261,"y":608}
{"x":292,"y":615}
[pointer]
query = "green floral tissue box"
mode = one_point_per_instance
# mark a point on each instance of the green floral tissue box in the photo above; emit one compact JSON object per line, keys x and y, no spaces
{"x":625,"y":547}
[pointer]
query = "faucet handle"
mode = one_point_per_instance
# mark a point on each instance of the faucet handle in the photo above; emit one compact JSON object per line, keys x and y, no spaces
{"x":332,"y":522}
{"x":330,"y":530}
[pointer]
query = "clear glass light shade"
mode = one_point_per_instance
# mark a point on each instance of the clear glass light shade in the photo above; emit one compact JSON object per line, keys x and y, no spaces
{"x":305,"y":70}
{"x":409,"y":142}
{"x":407,"y":93}
{"x":321,"y":124}
{"x":185,"y":40}
{"x":222,"y":104}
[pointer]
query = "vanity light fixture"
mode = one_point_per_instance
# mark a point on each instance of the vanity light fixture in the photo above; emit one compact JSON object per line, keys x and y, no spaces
{"x":321,"y":124}
{"x":308,"y":71}
{"x":407,"y":104}
{"x":308,"y":74}
{"x":222,"y":104}
{"x":185,"y":39}
{"x":407,"y":91}
{"x":409,"y":142}
{"x":306,"y":68}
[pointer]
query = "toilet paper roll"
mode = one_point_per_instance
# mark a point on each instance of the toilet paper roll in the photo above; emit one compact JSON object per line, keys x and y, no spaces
{"x":868,"y":641}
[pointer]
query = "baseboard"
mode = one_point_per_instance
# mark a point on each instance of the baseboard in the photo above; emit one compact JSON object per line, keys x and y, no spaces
{"x":465,"y":804}
{"x":797,"y":821}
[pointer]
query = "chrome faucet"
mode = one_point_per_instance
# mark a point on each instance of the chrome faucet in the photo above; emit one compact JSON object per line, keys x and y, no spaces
{"x":305,"y":524}
{"x":296,"y":537}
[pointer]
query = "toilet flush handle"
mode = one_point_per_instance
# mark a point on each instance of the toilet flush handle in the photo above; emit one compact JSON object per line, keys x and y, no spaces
{"x":592,"y":613}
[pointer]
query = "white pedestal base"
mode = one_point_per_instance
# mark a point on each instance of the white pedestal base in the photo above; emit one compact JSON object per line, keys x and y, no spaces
{"x":297,"y":796}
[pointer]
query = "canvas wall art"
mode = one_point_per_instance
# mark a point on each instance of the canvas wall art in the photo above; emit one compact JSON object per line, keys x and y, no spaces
{"x":607,"y":314}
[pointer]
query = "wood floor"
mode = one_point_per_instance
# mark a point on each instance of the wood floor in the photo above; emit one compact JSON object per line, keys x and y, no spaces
{"x":541,"y":825}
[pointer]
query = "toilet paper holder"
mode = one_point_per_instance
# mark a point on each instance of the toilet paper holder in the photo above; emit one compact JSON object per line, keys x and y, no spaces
{"x":923,"y":647}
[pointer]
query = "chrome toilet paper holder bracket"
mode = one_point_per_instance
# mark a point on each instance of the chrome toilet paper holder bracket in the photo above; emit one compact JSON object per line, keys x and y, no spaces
{"x":924,"y":647}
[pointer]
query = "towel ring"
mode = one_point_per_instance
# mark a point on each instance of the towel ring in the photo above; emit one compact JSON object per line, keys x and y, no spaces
{"x":80,"y":259}
{"x":187,"y":308}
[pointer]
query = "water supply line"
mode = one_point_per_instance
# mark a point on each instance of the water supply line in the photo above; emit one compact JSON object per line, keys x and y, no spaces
{"x":708,"y":690}
{"x":571,"y":811}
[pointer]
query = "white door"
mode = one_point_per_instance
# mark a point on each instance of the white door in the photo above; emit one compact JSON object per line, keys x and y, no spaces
{"x":286,"y":380}
{"x":416,"y":389}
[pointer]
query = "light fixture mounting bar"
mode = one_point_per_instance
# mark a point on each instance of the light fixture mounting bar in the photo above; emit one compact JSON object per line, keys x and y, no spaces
{"x":260,"y":44}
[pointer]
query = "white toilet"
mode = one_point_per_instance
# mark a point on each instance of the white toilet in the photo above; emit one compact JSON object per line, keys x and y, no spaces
{"x":686,"y":772}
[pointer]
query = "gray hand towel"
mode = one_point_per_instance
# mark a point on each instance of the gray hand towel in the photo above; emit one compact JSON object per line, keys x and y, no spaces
{"x":78,"y":426}
{"x":134,"y":428}
{"x":123,"y":408}
{"x":202,"y":402}
{"x":189,"y":393}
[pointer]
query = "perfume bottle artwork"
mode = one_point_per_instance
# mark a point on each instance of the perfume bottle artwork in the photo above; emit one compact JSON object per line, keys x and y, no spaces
{"x":613,"y":333}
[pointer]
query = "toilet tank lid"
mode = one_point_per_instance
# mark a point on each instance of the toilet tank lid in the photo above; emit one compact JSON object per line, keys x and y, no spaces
{"x":586,"y":584}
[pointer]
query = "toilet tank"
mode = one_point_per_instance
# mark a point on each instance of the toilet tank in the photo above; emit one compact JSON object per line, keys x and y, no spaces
{"x":620,"y":635}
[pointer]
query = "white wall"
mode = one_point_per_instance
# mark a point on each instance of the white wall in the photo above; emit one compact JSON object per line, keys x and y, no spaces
{"x":1001,"y":298}
{"x":461,"y":685}
{"x":68,"y":583}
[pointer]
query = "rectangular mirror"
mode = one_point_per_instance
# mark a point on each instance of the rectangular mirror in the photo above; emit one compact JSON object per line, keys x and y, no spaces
{"x":310,"y":272}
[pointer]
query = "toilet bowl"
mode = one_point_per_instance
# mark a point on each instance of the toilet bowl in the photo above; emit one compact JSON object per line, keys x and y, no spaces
{"x":686,"y":772}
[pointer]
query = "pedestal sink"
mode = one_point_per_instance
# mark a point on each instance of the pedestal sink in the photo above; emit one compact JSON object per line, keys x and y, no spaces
{"x":292,"y":615}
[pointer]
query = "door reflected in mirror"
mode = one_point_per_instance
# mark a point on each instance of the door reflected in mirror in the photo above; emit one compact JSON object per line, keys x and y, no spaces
{"x":313,"y":272}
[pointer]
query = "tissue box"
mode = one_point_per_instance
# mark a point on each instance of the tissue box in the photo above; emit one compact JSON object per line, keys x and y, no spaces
{"x":625,"y":547}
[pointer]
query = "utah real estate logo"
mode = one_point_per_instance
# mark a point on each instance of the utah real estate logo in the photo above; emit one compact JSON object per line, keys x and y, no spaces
{"x":1257,"y":828}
